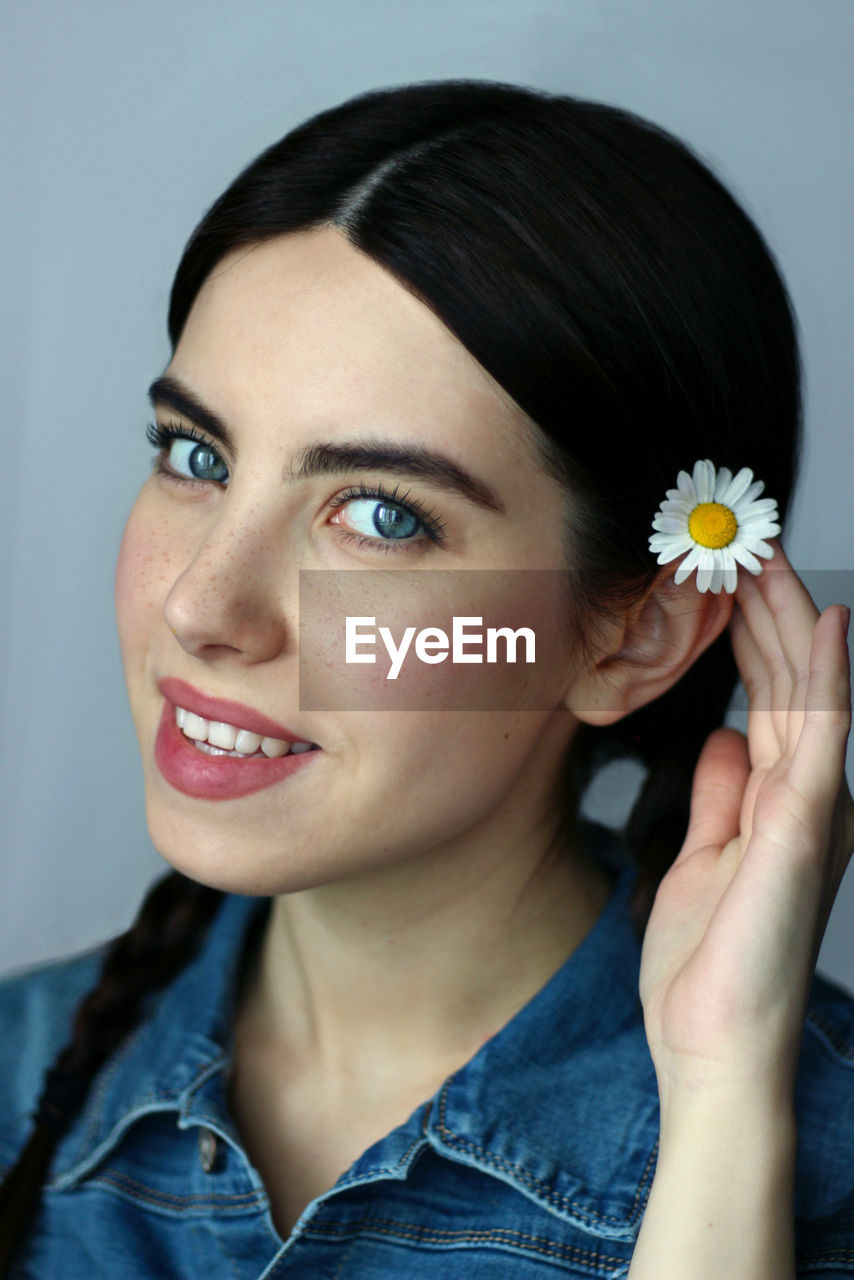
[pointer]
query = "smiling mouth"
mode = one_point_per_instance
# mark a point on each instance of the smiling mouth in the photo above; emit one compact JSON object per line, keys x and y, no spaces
{"x":218,"y":738}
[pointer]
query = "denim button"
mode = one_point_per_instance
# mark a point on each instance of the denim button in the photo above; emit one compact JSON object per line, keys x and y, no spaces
{"x":208,"y":1149}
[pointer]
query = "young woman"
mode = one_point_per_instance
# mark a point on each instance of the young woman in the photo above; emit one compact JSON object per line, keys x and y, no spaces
{"x":397,"y":1009}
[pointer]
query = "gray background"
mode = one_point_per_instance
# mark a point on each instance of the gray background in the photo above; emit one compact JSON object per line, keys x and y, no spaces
{"x":121,"y":122}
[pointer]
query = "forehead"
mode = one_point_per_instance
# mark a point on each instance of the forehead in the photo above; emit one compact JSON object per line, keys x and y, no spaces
{"x":309,"y":326}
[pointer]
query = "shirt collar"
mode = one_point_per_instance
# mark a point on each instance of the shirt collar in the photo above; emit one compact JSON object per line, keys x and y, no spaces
{"x":185,"y":1035}
{"x":562,"y":1102}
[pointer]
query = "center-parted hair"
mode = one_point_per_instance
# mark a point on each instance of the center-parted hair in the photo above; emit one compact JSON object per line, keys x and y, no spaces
{"x":613,"y":287}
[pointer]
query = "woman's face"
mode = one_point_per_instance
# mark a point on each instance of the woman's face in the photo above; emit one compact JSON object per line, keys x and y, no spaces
{"x":297,"y":343}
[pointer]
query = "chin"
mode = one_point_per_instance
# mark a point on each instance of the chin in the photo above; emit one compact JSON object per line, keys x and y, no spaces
{"x":208,"y":857}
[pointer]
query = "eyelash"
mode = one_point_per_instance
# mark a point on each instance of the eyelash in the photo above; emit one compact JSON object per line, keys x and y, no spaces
{"x":160,"y":435}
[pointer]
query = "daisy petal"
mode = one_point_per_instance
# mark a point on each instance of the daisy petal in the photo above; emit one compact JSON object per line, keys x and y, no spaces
{"x":672,"y":505}
{"x":662,"y":538}
{"x":717,"y":575}
{"x":760,"y":507}
{"x":753,"y":492}
{"x":688,"y":565}
{"x":670,"y":552}
{"x":704,"y":573}
{"x":686,"y":487}
{"x":763,"y":517}
{"x":745,"y":557}
{"x":762,"y":549}
{"x":730,"y":571}
{"x":758,"y":529}
{"x":664,"y":541}
{"x":669,"y":524}
{"x":722,"y":483}
{"x":704,"y":479}
{"x":738,"y":486}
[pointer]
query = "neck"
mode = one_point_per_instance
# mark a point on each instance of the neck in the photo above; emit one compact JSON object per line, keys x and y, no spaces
{"x":419,"y":962}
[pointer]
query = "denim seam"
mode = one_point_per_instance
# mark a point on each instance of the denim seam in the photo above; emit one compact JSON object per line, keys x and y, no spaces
{"x":563,"y":1202}
{"x":165,"y":1199}
{"x":204,"y":1071}
{"x":95,"y":1105}
{"x":491,"y":1235}
{"x":90,"y":1140}
{"x":380,"y":1168}
{"x":98,"y":1151}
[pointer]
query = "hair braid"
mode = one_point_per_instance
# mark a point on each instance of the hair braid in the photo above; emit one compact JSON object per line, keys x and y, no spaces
{"x":166,"y":933}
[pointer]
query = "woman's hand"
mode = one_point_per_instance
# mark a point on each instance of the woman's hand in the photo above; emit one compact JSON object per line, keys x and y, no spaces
{"x":735,"y":930}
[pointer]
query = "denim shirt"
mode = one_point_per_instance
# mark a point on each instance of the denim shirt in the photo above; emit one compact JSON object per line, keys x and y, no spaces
{"x":534,"y":1159}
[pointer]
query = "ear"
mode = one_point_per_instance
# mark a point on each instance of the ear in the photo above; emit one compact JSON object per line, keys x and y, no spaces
{"x":646,"y":653}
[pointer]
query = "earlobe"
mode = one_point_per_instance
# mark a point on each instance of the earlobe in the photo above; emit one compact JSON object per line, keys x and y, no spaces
{"x":661,"y":639}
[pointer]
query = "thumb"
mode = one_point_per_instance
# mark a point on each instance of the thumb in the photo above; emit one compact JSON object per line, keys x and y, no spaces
{"x":720,"y":778}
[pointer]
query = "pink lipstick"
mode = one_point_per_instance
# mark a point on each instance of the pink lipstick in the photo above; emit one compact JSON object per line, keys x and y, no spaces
{"x":219,"y":777}
{"x":201,"y":704}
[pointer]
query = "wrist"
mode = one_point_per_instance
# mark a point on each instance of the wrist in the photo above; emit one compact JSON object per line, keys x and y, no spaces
{"x":746,"y":1124}
{"x":718,"y":1116}
{"x":722,"y":1198}
{"x":746,"y":1093}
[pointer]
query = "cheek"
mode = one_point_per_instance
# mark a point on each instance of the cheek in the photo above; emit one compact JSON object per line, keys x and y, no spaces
{"x":425,"y":777}
{"x":142,"y":578}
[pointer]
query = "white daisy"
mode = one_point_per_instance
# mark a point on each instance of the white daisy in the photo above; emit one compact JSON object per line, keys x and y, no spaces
{"x":718,"y":521}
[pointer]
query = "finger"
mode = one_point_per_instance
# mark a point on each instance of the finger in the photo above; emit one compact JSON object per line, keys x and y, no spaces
{"x":720,"y":778}
{"x":776,"y":680}
{"x":781,"y":615}
{"x":752,"y":668}
{"x":818,"y":762}
{"x":762,"y":735}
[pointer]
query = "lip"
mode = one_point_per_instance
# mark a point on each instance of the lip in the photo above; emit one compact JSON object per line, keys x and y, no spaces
{"x":206,"y":777}
{"x":223,"y":709}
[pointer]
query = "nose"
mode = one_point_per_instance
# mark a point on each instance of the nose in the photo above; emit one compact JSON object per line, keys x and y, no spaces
{"x":233,"y":595}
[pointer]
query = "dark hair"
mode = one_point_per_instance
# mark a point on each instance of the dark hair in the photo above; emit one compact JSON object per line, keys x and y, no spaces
{"x":614,"y":288}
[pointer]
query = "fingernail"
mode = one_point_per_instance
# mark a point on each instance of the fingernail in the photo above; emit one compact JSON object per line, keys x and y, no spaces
{"x":846,"y":620}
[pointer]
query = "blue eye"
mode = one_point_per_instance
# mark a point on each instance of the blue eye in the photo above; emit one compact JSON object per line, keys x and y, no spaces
{"x":383,"y":521}
{"x":186,"y":452}
{"x":372,"y":517}
{"x":200,"y":460}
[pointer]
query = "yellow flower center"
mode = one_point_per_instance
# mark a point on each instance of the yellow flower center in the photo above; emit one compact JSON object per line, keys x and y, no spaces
{"x":712,"y":524}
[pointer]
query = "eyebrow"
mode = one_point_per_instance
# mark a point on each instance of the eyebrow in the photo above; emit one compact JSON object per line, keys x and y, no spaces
{"x":326,"y":458}
{"x":403,"y":460}
{"x":169,"y":392}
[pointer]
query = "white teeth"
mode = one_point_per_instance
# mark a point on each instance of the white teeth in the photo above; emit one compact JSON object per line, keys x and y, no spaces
{"x":222,"y":735}
{"x":195,"y":727}
{"x":214,"y":751}
{"x":217,"y":738}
